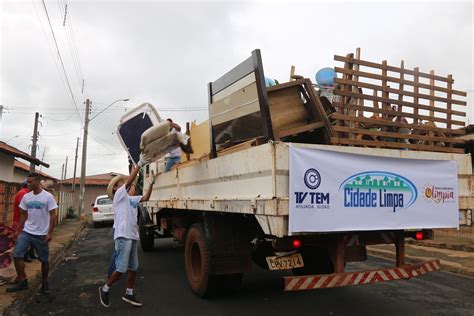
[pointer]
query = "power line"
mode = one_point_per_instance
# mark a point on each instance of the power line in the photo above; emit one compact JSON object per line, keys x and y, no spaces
{"x":61,"y":59}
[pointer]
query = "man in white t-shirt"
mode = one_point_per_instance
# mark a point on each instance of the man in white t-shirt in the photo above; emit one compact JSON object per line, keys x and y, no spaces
{"x":125,"y":235}
{"x":38,"y":214}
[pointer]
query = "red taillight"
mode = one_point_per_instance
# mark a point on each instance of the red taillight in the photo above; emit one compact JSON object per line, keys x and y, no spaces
{"x":296,"y":243}
{"x":95,"y":209}
{"x":419,"y":236}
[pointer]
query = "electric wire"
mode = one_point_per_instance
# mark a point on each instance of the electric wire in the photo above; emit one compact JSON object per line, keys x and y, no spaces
{"x":61,"y":60}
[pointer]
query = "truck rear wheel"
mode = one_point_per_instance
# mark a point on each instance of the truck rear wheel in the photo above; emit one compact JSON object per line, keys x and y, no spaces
{"x":316,"y":261}
{"x":198,"y":262}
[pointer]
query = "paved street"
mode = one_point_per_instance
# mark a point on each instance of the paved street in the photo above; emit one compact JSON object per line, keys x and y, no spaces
{"x":163,"y":289}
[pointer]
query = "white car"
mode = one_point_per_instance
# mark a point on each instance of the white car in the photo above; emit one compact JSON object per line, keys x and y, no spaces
{"x":102,"y":210}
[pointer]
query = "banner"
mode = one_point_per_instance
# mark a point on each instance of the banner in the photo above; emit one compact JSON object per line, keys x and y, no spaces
{"x":335,"y":191}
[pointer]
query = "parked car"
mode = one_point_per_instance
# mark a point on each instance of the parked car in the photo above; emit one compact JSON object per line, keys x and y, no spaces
{"x":102,"y":210}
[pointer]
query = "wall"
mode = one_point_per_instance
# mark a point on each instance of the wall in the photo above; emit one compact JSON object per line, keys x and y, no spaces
{"x":19,"y":175}
{"x":7,"y":199}
{"x":6,"y":167}
{"x":91,"y":192}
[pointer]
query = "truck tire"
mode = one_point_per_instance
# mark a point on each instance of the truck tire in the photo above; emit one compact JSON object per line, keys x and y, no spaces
{"x":197,"y":261}
{"x":316,"y":261}
{"x":147,"y":235}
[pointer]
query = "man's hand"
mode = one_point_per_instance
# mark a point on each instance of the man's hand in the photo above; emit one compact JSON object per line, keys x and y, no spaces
{"x":48,"y":237}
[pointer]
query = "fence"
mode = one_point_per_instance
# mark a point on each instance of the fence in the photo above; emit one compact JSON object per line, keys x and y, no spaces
{"x":65,"y":201}
{"x":409,"y":109}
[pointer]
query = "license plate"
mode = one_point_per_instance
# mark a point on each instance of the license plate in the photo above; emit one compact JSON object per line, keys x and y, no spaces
{"x":285,"y":263}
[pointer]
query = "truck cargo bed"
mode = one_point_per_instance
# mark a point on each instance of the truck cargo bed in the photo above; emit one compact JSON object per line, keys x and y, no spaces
{"x":256,"y":181}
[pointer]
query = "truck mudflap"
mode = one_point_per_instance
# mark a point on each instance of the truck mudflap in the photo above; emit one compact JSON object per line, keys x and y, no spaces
{"x":322,"y":281}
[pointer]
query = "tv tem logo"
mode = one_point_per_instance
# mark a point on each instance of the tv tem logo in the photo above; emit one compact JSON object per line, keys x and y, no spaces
{"x":312,"y":179}
{"x":311,"y":199}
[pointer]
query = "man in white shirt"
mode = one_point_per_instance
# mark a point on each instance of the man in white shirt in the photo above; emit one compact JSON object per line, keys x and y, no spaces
{"x":38,"y":214}
{"x":125,"y":235}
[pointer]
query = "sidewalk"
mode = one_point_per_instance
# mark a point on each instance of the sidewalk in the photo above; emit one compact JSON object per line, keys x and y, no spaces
{"x":455,"y":261}
{"x":63,"y":237}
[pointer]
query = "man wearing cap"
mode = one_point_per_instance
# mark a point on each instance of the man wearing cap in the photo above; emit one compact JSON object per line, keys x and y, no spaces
{"x":125,"y":234}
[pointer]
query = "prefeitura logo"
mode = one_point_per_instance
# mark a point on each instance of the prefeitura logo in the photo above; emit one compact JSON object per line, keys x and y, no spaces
{"x":379,"y":189}
{"x":438,"y":194}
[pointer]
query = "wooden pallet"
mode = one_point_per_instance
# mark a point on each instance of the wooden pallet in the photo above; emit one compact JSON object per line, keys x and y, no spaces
{"x":394,"y":107}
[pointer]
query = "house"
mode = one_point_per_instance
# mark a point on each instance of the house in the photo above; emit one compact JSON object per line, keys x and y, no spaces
{"x":9,"y":181}
{"x":7,"y":161}
{"x":95,"y":185}
{"x":21,"y":170}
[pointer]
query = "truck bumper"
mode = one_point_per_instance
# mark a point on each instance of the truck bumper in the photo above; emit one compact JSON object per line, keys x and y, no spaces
{"x":322,"y":281}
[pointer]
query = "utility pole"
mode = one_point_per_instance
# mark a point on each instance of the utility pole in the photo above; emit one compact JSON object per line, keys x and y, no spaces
{"x":75,"y":166}
{"x":42,"y":159}
{"x":65,"y":170}
{"x":35,"y":139}
{"x":83,"y":162}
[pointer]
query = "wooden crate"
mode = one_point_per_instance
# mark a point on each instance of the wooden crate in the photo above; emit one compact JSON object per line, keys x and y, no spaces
{"x":295,"y":109}
{"x":395,"y":107}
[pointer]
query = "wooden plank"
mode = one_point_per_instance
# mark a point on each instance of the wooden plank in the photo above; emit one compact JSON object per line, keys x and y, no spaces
{"x":391,"y":68}
{"x":398,"y":91}
{"x":398,"y":135}
{"x":316,"y":103}
{"x":301,"y":129}
{"x":338,"y":116}
{"x":449,"y":103}
{"x":393,"y":79}
{"x":432,"y":102}
{"x":394,"y":145}
{"x":385,"y":94}
{"x":416,"y":80}
{"x":394,"y":101}
{"x":396,"y":113}
{"x":285,"y":85}
{"x":400,"y":87}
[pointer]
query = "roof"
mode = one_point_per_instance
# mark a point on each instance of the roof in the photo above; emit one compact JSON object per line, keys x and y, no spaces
{"x":12,"y":151}
{"x":25,"y":167}
{"x":98,"y":179}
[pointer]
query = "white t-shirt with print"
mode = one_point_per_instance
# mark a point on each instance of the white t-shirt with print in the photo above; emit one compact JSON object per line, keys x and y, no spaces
{"x":38,"y":207}
{"x":125,"y":214}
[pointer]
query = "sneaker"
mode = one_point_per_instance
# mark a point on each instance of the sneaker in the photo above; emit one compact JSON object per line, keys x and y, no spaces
{"x":132,"y":300}
{"x":104,"y":297}
{"x":19,"y":286}
{"x":44,"y":288}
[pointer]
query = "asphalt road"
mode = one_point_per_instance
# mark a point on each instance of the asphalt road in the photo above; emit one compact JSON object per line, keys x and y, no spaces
{"x":163,"y":289}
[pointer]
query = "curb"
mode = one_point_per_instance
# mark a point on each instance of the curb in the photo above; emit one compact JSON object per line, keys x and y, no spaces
{"x":428,"y":243}
{"x":445,"y":266}
{"x":20,"y":302}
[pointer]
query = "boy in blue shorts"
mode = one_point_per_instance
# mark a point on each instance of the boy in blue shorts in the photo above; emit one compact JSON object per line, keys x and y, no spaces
{"x":125,"y":235}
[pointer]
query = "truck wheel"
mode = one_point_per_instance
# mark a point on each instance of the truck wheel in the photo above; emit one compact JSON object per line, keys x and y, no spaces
{"x":147,"y":236}
{"x":197,"y":261}
{"x":316,"y":261}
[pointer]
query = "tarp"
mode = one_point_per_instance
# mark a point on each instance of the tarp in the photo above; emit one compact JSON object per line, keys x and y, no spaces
{"x":335,"y":191}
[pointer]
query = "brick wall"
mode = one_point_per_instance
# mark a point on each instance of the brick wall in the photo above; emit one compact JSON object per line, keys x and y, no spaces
{"x":7,"y":199}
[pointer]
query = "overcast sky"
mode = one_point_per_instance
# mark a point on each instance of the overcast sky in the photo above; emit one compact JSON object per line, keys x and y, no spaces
{"x":165,"y":53}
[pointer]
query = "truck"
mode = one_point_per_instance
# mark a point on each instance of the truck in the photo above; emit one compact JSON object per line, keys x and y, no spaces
{"x":299,"y":177}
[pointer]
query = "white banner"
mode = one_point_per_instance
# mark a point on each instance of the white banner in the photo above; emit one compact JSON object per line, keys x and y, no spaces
{"x":335,"y":191}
